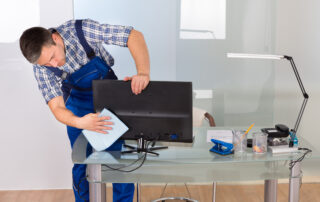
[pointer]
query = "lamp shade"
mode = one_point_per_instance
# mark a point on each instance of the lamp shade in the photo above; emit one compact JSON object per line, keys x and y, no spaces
{"x":255,"y":56}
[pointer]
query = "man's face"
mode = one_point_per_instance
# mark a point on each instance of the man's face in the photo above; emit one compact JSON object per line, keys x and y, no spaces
{"x":52,"y":55}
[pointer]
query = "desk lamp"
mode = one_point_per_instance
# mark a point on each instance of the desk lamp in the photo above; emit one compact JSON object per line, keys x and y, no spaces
{"x":280,"y":130}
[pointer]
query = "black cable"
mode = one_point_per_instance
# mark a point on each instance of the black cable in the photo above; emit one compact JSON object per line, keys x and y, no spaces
{"x":127,"y":171}
{"x":77,"y":187}
{"x":119,"y":169}
{"x":155,"y":140}
{"x":293,"y":163}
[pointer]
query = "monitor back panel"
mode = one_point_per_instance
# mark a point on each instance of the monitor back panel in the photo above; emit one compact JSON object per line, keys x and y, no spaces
{"x":162,"y":111}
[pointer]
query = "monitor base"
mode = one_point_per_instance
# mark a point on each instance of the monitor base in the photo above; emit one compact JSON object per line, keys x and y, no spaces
{"x":142,"y":147}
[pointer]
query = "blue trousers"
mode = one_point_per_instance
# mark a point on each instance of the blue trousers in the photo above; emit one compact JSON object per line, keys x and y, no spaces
{"x":122,"y":192}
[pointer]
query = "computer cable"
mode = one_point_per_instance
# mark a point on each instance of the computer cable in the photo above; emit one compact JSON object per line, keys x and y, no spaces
{"x":125,"y":166}
{"x":292,"y":163}
{"x":155,"y":140}
{"x":120,"y":168}
{"x":77,"y":187}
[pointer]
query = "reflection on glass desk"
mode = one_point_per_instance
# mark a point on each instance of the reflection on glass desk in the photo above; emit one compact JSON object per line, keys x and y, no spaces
{"x":192,"y":164}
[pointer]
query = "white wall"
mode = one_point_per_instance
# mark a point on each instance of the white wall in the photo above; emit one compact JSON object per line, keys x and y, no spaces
{"x":155,"y":19}
{"x":34,"y":147}
{"x":298,"y":31}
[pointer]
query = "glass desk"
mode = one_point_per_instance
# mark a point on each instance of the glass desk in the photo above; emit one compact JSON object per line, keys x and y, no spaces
{"x":193,"y":164}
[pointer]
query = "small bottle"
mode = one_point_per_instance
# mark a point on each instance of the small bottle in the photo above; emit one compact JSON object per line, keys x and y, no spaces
{"x":293,"y":139}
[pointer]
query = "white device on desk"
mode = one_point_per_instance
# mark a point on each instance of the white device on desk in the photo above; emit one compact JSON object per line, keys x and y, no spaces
{"x":222,"y":135}
{"x":282,"y":149}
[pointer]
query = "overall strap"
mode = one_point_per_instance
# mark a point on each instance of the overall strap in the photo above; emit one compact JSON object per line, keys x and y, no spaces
{"x":89,"y":51}
{"x":58,"y":72}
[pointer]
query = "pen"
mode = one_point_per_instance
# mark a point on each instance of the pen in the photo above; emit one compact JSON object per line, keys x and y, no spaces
{"x":248,"y":130}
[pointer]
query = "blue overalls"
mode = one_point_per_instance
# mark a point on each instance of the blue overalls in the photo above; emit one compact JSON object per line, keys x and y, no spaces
{"x":77,"y":94}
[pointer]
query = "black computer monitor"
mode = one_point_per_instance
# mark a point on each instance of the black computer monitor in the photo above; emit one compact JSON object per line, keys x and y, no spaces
{"x":162,"y":112}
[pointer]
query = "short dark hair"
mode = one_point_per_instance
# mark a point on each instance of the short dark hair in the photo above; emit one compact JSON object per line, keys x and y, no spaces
{"x":32,"y":40}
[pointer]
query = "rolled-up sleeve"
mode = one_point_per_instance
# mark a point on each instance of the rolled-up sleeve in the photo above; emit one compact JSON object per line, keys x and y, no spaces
{"x":95,"y":32}
{"x":48,"y":83}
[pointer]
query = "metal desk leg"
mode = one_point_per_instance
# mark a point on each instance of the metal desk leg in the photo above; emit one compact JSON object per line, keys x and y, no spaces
{"x":97,"y":190}
{"x":138,"y":192}
{"x":295,"y":182}
{"x":214,"y":185}
{"x":270,"y":190}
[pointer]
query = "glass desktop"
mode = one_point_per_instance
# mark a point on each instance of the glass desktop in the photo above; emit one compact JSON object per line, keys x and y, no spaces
{"x":193,"y":163}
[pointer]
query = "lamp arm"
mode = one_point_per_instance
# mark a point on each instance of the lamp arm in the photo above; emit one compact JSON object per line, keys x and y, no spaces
{"x":303,"y":106}
{"x":304,"y":93}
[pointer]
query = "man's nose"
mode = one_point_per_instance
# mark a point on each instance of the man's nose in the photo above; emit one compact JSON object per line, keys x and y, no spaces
{"x":54,"y":63}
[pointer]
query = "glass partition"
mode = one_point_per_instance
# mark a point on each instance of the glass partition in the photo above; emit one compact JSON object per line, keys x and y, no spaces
{"x":188,"y":40}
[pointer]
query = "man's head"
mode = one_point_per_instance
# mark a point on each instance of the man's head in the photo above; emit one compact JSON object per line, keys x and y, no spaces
{"x":39,"y":46}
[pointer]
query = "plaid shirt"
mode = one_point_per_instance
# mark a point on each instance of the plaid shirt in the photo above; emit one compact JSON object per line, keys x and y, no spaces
{"x":96,"y":34}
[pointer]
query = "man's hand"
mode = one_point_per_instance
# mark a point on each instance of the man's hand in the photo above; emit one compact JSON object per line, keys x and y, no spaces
{"x":89,"y":122}
{"x":138,"y":82}
{"x":95,"y":123}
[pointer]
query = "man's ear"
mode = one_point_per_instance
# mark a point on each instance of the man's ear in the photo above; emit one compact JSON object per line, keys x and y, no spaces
{"x":54,"y":37}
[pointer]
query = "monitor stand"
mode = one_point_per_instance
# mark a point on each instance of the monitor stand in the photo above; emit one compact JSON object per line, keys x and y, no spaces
{"x":142,"y":147}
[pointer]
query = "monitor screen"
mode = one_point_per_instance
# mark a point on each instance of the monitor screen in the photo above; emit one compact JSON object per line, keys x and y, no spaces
{"x":163,"y":111}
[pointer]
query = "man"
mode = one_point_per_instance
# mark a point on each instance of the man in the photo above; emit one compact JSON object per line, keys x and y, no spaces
{"x":65,"y":61}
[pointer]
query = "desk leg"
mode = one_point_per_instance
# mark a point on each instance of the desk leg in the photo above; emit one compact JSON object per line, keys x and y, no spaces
{"x":294,"y":183}
{"x":270,"y":190}
{"x":138,"y":192}
{"x":97,"y":190}
{"x":214,"y":186}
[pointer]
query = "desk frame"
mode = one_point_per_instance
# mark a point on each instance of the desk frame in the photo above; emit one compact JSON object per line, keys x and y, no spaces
{"x":97,"y":190}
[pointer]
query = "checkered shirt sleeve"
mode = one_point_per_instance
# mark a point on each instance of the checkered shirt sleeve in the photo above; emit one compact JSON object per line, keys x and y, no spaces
{"x":109,"y":34}
{"x":49,"y":84}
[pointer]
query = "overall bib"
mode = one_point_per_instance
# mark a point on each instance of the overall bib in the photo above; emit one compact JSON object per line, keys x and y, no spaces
{"x":77,"y":94}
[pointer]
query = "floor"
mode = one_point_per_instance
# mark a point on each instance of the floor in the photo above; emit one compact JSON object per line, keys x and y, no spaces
{"x":224,"y":193}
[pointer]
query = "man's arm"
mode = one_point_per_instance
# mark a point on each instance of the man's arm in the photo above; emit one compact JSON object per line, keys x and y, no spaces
{"x":124,"y":36}
{"x":90,"y":121}
{"x":139,"y":52}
